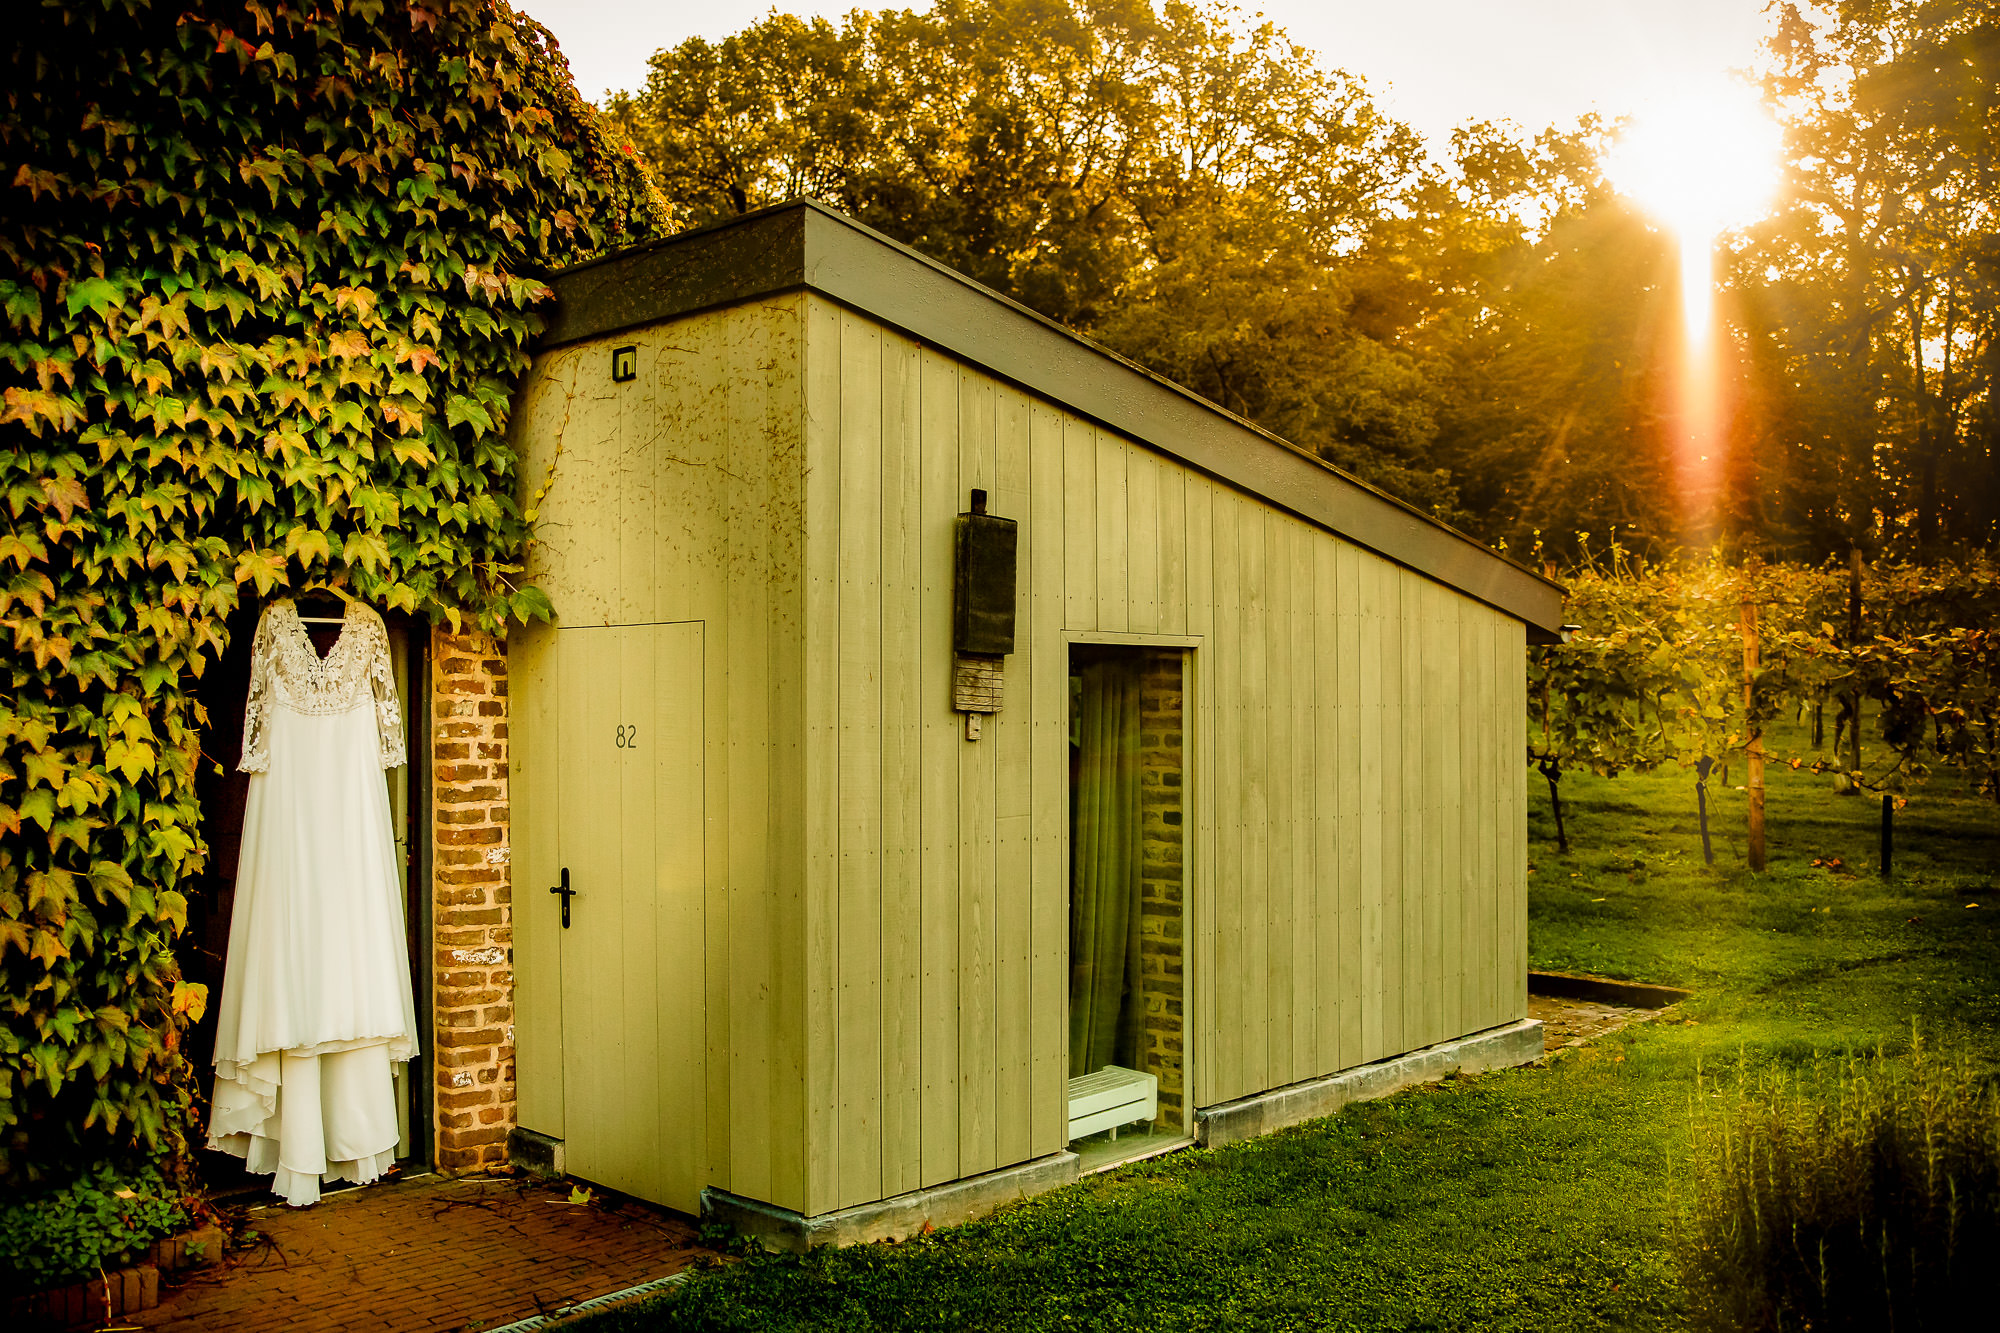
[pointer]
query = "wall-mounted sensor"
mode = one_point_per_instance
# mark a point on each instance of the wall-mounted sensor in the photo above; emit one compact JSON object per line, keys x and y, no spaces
{"x":983,"y":624}
{"x":984,"y":598}
{"x":624,"y":363}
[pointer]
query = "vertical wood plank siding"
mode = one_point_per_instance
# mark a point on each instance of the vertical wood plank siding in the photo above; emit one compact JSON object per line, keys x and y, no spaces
{"x":1356,"y":889}
{"x":888,"y":903}
{"x":678,"y":497}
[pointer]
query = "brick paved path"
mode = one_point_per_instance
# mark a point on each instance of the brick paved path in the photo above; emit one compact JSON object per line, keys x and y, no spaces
{"x":440,"y":1256}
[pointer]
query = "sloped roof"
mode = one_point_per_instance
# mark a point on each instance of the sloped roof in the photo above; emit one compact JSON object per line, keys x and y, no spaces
{"x":805,"y":244}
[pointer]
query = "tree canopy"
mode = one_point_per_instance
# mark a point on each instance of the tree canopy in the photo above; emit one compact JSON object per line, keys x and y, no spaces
{"x":1486,"y":329}
{"x":1190,"y":188}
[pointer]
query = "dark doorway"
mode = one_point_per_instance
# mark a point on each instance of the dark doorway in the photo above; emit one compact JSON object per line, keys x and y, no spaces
{"x":223,"y":692}
{"x":1127,"y":1011}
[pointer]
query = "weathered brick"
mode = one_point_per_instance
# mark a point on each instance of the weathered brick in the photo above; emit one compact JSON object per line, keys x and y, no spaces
{"x":1160,"y":923}
{"x":469,"y":1057}
{"x":471,"y":901}
{"x":473,"y":895}
{"x":485,"y":1134}
{"x":467,"y":1040}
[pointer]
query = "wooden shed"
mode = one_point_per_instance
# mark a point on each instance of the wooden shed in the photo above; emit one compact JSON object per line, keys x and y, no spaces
{"x":1244,"y":839}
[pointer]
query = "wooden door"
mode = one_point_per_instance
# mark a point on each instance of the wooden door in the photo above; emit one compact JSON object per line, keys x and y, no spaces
{"x":629,"y":834}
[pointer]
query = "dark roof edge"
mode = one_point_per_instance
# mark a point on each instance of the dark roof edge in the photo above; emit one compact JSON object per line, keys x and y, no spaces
{"x":806,"y":244}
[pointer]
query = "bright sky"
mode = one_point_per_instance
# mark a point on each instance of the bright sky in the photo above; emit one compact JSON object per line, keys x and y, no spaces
{"x":1432,"y":63}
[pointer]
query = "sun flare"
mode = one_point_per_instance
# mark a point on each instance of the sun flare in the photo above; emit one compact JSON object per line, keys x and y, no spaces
{"x":1701,"y":163}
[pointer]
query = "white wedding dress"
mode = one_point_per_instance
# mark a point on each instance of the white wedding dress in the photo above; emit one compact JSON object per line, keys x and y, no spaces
{"x":316,"y":1007}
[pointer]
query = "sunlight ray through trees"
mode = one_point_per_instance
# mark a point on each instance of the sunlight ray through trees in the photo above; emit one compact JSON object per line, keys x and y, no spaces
{"x":1702,"y":164}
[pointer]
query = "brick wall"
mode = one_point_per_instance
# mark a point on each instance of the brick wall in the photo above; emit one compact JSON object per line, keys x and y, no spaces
{"x":472,"y":1035}
{"x":1160,"y":880}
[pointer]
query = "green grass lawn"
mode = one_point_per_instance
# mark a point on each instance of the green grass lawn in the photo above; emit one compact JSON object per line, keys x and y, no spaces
{"x":1535,"y":1199}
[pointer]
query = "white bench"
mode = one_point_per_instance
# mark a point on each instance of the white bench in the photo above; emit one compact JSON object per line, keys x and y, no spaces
{"x":1111,"y":1097}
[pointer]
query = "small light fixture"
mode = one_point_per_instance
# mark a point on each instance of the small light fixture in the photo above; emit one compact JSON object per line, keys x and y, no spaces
{"x":624,"y":363}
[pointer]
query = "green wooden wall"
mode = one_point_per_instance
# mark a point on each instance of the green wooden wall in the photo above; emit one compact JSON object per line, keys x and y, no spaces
{"x":1357,"y":860}
{"x":677,"y":497}
{"x":887,"y":929}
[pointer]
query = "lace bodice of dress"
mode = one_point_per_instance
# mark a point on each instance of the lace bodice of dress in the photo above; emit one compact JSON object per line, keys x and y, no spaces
{"x":286,"y":671}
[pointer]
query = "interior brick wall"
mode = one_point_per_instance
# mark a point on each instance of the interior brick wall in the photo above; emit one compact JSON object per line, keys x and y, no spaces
{"x":1160,"y":915}
{"x":472,"y":933}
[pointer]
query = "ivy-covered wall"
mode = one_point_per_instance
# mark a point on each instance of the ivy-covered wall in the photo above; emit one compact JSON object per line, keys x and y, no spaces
{"x":268,"y":272}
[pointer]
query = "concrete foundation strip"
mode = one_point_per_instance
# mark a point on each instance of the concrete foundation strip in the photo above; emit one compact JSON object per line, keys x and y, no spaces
{"x":1517,"y":1043}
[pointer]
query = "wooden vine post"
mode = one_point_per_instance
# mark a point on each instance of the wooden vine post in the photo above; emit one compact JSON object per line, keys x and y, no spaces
{"x":1854,"y":695}
{"x":1753,"y":729}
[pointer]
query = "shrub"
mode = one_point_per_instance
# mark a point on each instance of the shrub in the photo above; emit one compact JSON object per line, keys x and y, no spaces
{"x":1860,"y":1193}
{"x":95,"y":1222}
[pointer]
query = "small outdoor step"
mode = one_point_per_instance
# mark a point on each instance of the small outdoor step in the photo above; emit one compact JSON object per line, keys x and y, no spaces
{"x":1110,"y":1097}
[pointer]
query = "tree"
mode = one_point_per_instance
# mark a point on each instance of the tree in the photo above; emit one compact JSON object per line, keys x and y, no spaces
{"x":1557,"y":333}
{"x":1195,"y":191}
{"x":1873,"y":292}
{"x":1495,"y":340}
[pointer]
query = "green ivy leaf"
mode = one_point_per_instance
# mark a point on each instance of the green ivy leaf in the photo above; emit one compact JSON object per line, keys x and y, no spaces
{"x":100,"y":296}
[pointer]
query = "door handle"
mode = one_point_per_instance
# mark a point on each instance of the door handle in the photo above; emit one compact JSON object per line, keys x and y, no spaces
{"x":567,"y":893}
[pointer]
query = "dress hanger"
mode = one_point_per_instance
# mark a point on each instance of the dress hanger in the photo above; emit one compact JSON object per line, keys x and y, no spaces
{"x":323,"y":586}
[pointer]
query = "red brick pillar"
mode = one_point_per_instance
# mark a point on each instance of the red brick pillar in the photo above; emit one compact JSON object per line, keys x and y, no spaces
{"x":472,"y":929}
{"x":1160,"y":899}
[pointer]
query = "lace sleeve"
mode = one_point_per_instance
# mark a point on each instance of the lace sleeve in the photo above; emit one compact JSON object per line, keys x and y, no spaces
{"x":257,"y":708}
{"x":388,"y":709}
